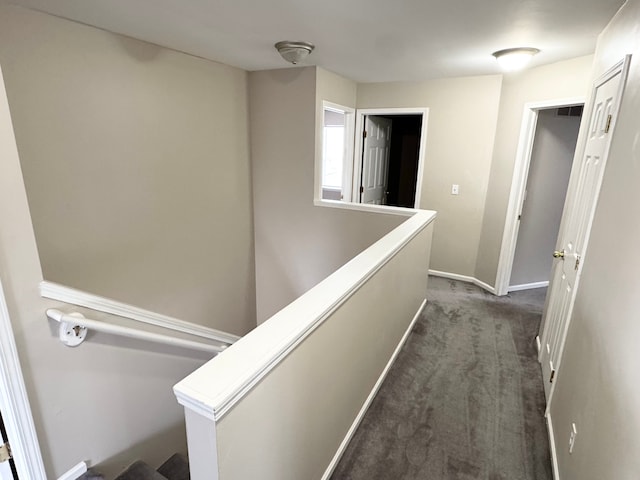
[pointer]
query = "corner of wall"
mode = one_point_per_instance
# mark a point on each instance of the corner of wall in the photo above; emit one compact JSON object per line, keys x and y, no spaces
{"x":559,"y":80}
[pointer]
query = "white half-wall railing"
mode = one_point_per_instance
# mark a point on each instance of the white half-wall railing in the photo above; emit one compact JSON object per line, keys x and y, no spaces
{"x":74,"y":327}
{"x":283,"y":402}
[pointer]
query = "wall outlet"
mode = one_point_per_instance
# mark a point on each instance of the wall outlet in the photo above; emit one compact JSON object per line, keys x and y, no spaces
{"x":455,"y":189}
{"x":572,"y":437}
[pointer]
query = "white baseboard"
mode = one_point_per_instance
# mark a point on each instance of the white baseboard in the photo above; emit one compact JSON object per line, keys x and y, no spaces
{"x":74,"y":472}
{"x":463,"y":278}
{"x":528,"y":286}
{"x":354,"y":426}
{"x":552,"y":448}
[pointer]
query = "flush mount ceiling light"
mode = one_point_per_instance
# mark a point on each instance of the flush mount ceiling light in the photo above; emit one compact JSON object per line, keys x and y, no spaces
{"x":294,"y":52}
{"x":512,"y":59}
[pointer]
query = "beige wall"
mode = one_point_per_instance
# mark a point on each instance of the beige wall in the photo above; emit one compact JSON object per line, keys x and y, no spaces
{"x":137,"y":170}
{"x":551,"y":160}
{"x":550,"y":82}
{"x":297,"y":244}
{"x":136,"y":164}
{"x":598,"y":386}
{"x":107,"y":401}
{"x":462,"y":125}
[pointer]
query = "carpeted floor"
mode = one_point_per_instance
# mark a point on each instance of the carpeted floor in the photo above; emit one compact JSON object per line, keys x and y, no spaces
{"x":464,"y":399}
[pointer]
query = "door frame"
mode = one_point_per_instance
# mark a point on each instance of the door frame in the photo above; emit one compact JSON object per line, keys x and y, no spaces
{"x":14,"y":403}
{"x":519,"y":185}
{"x":357,"y":151}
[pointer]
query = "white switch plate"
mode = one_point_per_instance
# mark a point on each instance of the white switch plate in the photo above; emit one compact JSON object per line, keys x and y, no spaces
{"x":455,"y":189}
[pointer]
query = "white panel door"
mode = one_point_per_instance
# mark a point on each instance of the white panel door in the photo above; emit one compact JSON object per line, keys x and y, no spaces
{"x":577,"y":219}
{"x":5,"y":467}
{"x":375,"y":160}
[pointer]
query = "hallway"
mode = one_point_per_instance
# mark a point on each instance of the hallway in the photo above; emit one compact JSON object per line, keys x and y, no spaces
{"x":464,"y":399}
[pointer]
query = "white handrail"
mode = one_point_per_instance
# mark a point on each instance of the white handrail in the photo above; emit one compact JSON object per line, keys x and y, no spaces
{"x":80,"y":298}
{"x":73,"y":329}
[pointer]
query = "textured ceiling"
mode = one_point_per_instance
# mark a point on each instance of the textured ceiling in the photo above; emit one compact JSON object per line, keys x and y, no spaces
{"x":367,"y":41}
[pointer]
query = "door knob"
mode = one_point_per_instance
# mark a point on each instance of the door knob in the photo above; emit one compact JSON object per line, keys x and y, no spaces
{"x":558,"y":254}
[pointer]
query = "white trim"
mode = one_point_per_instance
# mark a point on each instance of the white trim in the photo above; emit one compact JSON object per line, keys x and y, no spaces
{"x":463,"y":278}
{"x":14,"y":404}
{"x":528,"y":286}
{"x":73,"y":296}
{"x":519,"y":184}
{"x":262,"y":350}
{"x":69,"y":321}
{"x":538,"y":344}
{"x":366,"y":207}
{"x":552,"y":448}
{"x":347,"y":168}
{"x":374,"y":391}
{"x":74,"y":472}
{"x":357,"y":150}
{"x":202,"y":446}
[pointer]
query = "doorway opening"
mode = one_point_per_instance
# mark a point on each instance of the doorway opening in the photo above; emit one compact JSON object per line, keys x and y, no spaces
{"x":554,"y":146}
{"x":388,"y":164}
{"x":389,"y":160}
{"x":518,"y":195}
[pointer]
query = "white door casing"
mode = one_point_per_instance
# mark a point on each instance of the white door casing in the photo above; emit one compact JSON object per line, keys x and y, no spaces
{"x":14,"y":403}
{"x":5,"y":467}
{"x":518,"y":186}
{"x":375,"y":160}
{"x":578,"y":217}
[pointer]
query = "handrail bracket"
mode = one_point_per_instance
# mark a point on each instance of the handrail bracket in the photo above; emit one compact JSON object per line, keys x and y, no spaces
{"x":71,"y":333}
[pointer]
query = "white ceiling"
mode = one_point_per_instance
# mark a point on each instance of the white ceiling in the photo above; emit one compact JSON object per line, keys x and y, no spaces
{"x":365,"y":40}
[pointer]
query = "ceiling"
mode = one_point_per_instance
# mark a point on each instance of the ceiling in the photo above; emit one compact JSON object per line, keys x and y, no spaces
{"x":367,"y":41}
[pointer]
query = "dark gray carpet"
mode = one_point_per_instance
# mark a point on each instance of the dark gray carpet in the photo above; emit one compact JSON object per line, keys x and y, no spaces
{"x":464,"y":399}
{"x":176,"y":468}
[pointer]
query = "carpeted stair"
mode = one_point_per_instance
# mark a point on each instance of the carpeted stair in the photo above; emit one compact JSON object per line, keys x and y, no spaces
{"x":176,"y":468}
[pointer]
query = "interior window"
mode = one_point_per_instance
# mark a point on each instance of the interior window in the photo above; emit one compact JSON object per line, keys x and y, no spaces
{"x":336,"y":152}
{"x":333,"y":153}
